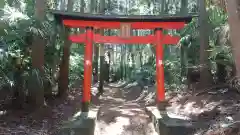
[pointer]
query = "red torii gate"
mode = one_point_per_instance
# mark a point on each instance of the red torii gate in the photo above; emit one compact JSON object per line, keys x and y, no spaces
{"x":125,"y":24}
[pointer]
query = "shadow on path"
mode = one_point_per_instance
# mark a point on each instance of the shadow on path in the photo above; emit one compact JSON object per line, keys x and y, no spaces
{"x":120,"y":117}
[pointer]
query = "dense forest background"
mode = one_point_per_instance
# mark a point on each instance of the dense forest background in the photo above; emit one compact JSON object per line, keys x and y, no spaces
{"x":35,"y":52}
{"x":33,"y":47}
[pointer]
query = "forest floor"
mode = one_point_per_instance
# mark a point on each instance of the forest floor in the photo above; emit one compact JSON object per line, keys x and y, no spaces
{"x":122,"y":111}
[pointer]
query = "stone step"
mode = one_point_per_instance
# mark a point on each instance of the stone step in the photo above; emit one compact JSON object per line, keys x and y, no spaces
{"x":82,"y":123}
{"x":171,"y":124}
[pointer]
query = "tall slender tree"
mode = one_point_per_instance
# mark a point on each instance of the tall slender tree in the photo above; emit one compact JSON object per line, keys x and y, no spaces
{"x":92,"y":6}
{"x":64,"y":66}
{"x":96,"y":48}
{"x":101,"y":53}
{"x":82,"y":6}
{"x":163,"y":6}
{"x":183,"y":56}
{"x":108,"y":53}
{"x":205,"y":75}
{"x":233,"y":9}
{"x":2,"y":24}
{"x":36,"y":92}
{"x":38,"y":44}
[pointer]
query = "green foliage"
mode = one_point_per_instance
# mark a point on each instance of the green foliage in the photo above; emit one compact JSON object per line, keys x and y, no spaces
{"x":144,"y":75}
{"x":76,"y":68}
{"x":22,"y":27}
{"x":190,"y":41}
{"x":172,"y":71}
{"x":18,"y":37}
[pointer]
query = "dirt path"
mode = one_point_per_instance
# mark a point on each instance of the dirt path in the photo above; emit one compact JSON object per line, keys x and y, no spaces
{"x":121,"y":114}
{"x":120,"y":117}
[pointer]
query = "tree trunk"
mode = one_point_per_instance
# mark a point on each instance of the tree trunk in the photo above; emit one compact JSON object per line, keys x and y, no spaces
{"x":62,"y":4}
{"x":48,"y":86}
{"x":221,"y":69}
{"x":109,"y":54}
{"x":183,"y":49}
{"x":134,"y":49}
{"x":38,"y":43}
{"x":205,"y":75}
{"x":132,"y":56}
{"x":96,"y":48}
{"x":184,"y":7}
{"x":163,"y":4}
{"x":36,"y":90}
{"x":19,"y":93}
{"x":109,"y":60}
{"x":102,"y":67}
{"x":96,"y":54}
{"x":64,"y":66}
{"x":70,"y":5}
{"x":122,"y":63}
{"x":114,"y":56}
{"x":3,"y":25}
{"x":92,"y":6}
{"x":140,"y":56}
{"x":107,"y":66}
{"x":82,"y":6}
{"x":2,"y":4}
{"x":125,"y":61}
{"x":101,"y":52}
{"x":234,"y":21}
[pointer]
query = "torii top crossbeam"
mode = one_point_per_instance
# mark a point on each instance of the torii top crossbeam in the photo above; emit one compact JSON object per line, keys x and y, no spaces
{"x":125,"y":24}
{"x":73,"y":19}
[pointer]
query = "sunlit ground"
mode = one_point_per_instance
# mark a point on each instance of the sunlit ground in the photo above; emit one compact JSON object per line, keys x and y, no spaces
{"x":119,"y":117}
{"x":124,"y":121}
